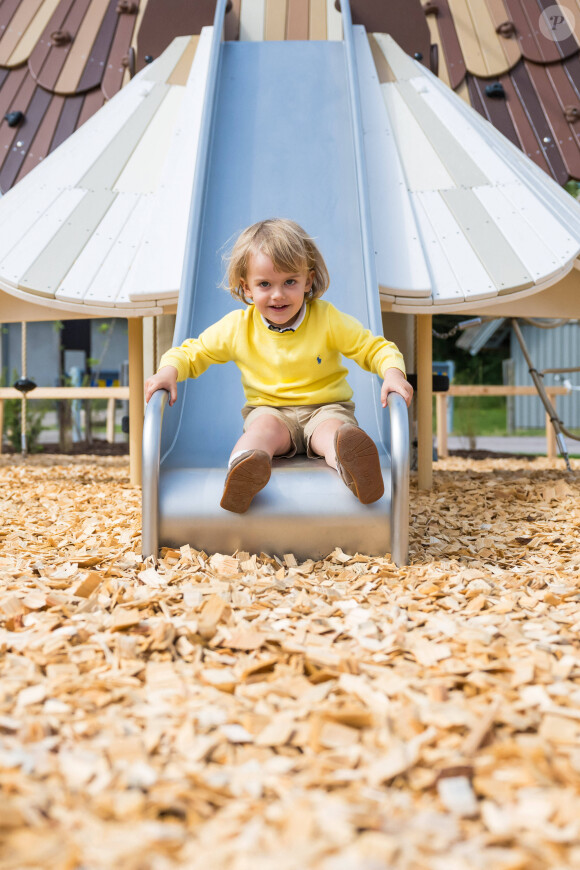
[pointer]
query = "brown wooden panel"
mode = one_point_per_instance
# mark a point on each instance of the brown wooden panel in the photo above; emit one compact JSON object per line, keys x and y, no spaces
{"x":68,"y":121}
{"x":450,"y":44}
{"x":114,"y":72}
{"x":11,"y":34}
{"x":163,"y":20}
{"x":97,"y":61}
{"x":534,"y":45}
{"x":404,"y":20}
{"x":49,"y":73}
{"x":569,"y":45}
{"x":232,"y":22}
{"x":92,"y":102}
{"x":3,"y":76}
{"x":42,"y":50}
{"x":26,"y":132}
{"x":15,"y":96}
{"x":553,"y":100}
{"x":571,"y":67}
{"x":71,"y":73}
{"x":493,"y":109}
{"x":12,"y":84}
{"x":297,"y":19}
{"x":317,"y":28}
{"x":275,"y":19}
{"x":40,"y":145}
{"x":7,"y":10}
{"x":531,"y":123}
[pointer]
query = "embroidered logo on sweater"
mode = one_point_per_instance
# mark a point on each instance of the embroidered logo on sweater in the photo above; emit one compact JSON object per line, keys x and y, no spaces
{"x":318,"y":360}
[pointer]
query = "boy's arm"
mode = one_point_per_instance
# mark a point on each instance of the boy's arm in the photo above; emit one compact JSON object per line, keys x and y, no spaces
{"x":394,"y":381}
{"x":165,"y":379}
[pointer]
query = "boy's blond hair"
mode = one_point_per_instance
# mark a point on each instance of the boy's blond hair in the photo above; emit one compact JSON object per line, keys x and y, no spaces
{"x":289,"y":247}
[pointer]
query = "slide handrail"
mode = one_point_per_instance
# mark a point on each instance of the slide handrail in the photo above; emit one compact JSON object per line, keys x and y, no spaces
{"x":151,"y":456}
{"x":182,"y":323}
{"x":154,"y":411}
{"x":368,"y":251}
{"x":400,"y":472}
{"x":400,"y":459}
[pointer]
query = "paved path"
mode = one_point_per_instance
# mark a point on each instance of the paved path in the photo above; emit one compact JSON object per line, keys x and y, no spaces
{"x":507,"y":444}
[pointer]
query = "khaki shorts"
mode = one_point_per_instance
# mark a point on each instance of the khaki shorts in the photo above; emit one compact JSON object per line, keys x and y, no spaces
{"x":301,"y":421}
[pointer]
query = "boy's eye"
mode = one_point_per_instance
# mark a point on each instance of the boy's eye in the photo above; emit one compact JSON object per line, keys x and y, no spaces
{"x":264,"y":284}
{"x":291,"y":281}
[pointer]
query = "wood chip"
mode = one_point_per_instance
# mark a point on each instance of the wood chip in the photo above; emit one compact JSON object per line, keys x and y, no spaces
{"x":335,"y":713}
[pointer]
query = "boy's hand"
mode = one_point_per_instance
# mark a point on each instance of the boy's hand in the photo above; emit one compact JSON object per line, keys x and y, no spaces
{"x":165,"y":379}
{"x":396,"y":382}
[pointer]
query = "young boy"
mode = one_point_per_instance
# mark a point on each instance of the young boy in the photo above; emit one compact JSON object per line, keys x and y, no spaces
{"x":287,"y":344}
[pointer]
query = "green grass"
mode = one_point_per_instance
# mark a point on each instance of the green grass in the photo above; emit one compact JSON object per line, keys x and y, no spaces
{"x":472,"y":416}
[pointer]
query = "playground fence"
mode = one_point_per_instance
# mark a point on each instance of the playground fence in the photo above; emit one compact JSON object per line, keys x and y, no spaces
{"x":112,"y":394}
{"x":491,"y":390}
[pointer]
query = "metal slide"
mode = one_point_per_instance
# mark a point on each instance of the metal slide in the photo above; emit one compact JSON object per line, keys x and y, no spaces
{"x":281,"y":137}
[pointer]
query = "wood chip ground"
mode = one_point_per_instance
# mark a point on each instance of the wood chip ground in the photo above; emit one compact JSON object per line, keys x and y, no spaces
{"x":239,"y":712}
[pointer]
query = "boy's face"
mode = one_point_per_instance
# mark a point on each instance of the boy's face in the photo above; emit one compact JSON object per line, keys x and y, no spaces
{"x":278,"y":296}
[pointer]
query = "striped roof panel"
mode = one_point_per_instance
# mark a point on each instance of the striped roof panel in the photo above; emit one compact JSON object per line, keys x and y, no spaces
{"x":518,"y":63}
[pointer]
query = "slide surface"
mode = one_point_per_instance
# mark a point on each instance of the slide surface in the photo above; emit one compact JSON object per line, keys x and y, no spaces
{"x":281,"y":146}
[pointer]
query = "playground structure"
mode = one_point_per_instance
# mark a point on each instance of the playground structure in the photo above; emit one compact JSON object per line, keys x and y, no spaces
{"x":443,"y":214}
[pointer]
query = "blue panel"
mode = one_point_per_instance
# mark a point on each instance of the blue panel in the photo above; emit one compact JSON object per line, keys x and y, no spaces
{"x":281,"y":147}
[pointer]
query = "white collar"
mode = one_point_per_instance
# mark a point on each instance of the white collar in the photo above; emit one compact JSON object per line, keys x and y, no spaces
{"x":295,"y":325}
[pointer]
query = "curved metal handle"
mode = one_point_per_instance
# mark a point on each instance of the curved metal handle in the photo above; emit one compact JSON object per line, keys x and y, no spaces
{"x":400,"y":465}
{"x":151,"y":458}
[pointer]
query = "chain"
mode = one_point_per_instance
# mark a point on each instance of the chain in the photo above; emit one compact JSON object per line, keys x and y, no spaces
{"x":465,"y":324}
{"x":449,"y":334}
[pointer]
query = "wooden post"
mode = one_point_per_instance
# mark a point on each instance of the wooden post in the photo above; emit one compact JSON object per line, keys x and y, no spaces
{"x":551,"y":445}
{"x":111,"y":421}
{"x":441,"y":405}
{"x":425,"y":401}
{"x":136,"y":400}
{"x":1,"y":423}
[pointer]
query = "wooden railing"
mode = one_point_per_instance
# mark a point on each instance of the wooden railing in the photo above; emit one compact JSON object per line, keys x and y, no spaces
{"x":478,"y":391}
{"x":111,"y":394}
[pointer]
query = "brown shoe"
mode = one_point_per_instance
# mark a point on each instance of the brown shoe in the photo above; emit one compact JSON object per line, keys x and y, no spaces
{"x":247,"y":475}
{"x":358,"y":463}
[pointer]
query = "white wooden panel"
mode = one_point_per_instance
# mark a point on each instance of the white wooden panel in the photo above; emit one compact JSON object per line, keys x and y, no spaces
{"x":399,"y":258}
{"x":555,"y":198}
{"x":66,"y":166}
{"x":424,"y":170}
{"x":52,"y":264}
{"x":333,"y":22}
{"x":109,"y":286}
{"x":25,"y":252}
{"x":445,"y":285}
{"x":445,"y":106}
{"x":507,"y":271}
{"x":451,"y":151}
{"x":403,"y":66}
{"x":555,"y":233}
{"x":526,"y":241}
{"x":79,"y":278}
{"x":112,"y":160}
{"x":142,"y":173}
{"x":161,"y":69}
{"x":471,"y":276}
{"x":17,"y":221}
{"x":252,"y":17}
{"x":157,"y":270}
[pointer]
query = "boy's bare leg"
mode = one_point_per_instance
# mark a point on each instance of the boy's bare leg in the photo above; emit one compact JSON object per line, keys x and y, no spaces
{"x":322,"y":440}
{"x":266,"y":433}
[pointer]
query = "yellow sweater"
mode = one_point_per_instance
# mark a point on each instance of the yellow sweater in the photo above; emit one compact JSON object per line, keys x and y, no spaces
{"x":288,"y":368}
